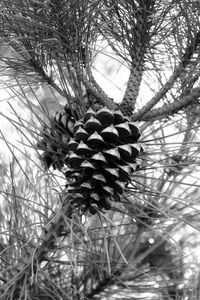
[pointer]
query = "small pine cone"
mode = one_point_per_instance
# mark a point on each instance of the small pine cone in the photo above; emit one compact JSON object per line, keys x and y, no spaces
{"x":55,"y":138}
{"x":102,"y":156}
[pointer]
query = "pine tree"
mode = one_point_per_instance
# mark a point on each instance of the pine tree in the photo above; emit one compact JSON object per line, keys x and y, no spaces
{"x":100,"y":196}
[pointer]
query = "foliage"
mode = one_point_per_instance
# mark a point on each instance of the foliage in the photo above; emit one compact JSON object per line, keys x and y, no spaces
{"x":50,"y":56}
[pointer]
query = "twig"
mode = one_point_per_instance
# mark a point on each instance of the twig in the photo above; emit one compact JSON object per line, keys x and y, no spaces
{"x":99,"y":94}
{"x":32,"y":62}
{"x":169,"y":109}
{"x":168,"y":85}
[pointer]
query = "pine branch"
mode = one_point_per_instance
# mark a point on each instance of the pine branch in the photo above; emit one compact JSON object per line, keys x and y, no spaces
{"x":140,"y":33}
{"x":96,"y":91}
{"x":31,"y":61}
{"x":49,"y":80}
{"x":55,"y":30}
{"x":170,"y":109}
{"x":190,"y":50}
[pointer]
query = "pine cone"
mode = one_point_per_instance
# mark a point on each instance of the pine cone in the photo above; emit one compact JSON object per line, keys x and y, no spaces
{"x":102,"y":156}
{"x":55,"y":137}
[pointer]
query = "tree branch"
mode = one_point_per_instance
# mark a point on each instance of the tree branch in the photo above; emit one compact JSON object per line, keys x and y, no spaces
{"x":96,"y":91}
{"x":139,"y":41}
{"x":168,"y":85}
{"x":170,"y":109}
{"x":33,"y":63}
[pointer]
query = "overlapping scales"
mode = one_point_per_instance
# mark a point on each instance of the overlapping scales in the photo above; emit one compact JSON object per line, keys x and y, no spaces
{"x":102,"y":156}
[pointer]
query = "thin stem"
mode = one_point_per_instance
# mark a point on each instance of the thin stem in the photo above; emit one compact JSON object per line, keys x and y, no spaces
{"x":168,"y":85}
{"x":170,"y":109}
